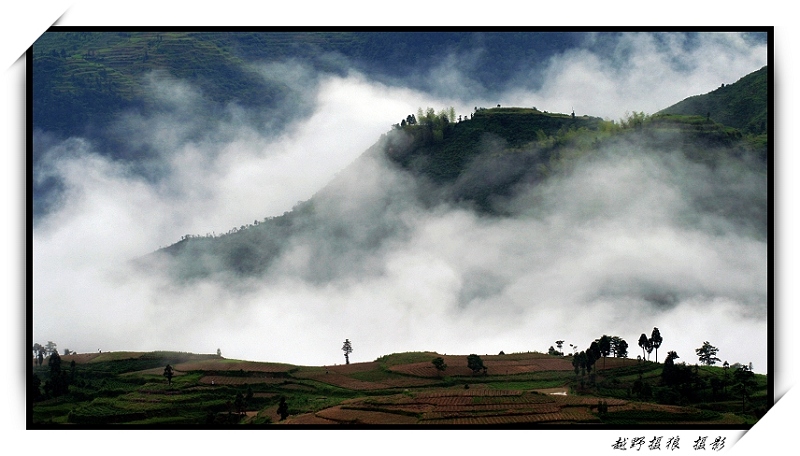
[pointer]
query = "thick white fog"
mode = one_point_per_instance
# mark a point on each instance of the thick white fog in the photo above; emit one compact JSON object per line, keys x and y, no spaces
{"x":618,"y":246}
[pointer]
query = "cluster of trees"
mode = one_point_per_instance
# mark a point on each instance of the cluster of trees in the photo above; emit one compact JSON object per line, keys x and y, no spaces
{"x":649,"y":343}
{"x":41,"y":352}
{"x":605,"y":346}
{"x":59,"y":379}
{"x":436,"y":124}
{"x":685,"y":380}
{"x":430,"y":118}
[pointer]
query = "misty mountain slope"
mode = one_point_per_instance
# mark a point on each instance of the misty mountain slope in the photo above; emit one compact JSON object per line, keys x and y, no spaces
{"x":501,"y":166}
{"x":742,"y":105}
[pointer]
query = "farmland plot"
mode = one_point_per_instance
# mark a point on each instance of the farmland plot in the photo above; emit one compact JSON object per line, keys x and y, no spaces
{"x":346,"y":415}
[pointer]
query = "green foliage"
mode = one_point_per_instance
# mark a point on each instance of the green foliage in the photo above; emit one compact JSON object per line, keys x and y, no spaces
{"x":635,"y":120}
{"x":475,"y":363}
{"x":439,"y":364}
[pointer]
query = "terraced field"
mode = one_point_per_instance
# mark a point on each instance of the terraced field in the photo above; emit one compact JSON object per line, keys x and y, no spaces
{"x":523,"y":389}
{"x":485,"y":407}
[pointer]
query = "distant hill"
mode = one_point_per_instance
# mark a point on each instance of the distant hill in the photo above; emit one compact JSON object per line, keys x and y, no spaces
{"x":742,"y":105}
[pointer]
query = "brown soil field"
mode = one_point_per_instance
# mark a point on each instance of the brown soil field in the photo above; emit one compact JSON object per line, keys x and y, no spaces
{"x":408,"y":382}
{"x":344,"y":381}
{"x":344,"y":415}
{"x":475,"y":406}
{"x":472,"y":406}
{"x":338,"y":376}
{"x":307,"y":418}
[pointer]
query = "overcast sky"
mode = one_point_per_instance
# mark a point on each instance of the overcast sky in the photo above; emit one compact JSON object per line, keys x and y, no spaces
{"x":616,"y":248}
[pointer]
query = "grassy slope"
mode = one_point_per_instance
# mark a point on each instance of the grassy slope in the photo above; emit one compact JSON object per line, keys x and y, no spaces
{"x":121,"y":387}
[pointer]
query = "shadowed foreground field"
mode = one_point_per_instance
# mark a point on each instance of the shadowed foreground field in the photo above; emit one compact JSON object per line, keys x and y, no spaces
{"x":401,"y":389}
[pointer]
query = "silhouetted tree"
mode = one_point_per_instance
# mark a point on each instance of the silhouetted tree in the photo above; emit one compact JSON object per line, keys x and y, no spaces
{"x":578,"y":362}
{"x":619,"y":348}
{"x":219,"y":352}
{"x":168,"y":373}
{"x":592,"y":355}
{"x":744,"y":383}
{"x":643,"y":343}
{"x":38,"y":351}
{"x":475,"y":363}
{"x":560,"y":344}
{"x":707,"y":354}
{"x":655,"y":340}
{"x":679,"y":376}
{"x":347,"y":348}
{"x":54,"y":362}
{"x":725,"y":368}
{"x":439,"y":364}
{"x":604,"y":347}
{"x":58,"y":383}
{"x":283,"y":408}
